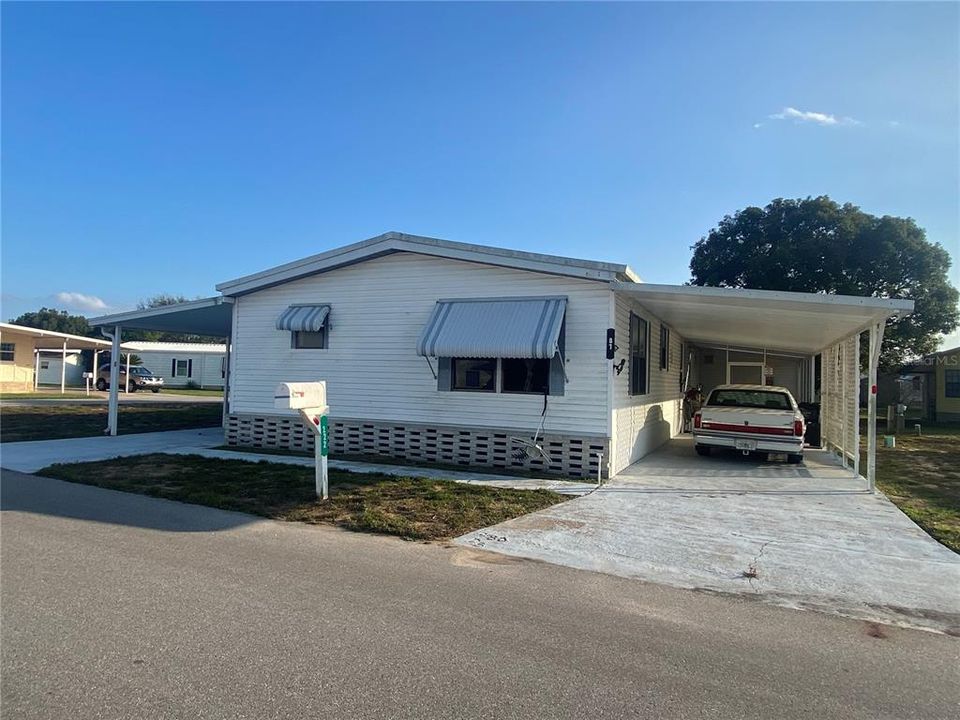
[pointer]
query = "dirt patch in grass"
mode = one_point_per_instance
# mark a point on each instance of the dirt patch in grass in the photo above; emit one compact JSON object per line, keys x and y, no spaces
{"x":412,"y":508}
{"x":922,"y":476}
{"x":49,"y":422}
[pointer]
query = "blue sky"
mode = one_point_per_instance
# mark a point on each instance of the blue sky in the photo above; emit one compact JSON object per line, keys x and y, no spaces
{"x":155,"y":148}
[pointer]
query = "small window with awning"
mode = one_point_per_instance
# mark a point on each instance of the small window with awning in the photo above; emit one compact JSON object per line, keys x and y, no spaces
{"x":505,"y":345}
{"x":307,"y":325}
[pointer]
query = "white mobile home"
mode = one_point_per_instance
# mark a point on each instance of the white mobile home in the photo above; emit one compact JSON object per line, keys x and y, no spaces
{"x":447,"y":352}
{"x":182,"y":364}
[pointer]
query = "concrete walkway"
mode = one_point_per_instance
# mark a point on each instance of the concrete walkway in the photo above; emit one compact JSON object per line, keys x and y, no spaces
{"x":36,"y":454}
{"x":32,"y":456}
{"x":801,"y":536}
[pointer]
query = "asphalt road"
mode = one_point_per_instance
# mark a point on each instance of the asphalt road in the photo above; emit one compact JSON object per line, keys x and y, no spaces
{"x":121,"y":606}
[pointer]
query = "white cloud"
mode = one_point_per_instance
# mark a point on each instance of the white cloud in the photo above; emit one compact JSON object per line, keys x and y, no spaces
{"x":757,"y":126}
{"x":817,"y":118}
{"x":79,"y":301}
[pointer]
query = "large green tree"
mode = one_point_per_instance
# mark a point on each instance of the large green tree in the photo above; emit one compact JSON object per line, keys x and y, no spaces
{"x":817,"y":245}
{"x":56,"y":321}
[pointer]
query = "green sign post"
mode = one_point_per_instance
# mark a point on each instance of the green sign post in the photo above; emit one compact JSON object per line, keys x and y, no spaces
{"x":324,"y":436}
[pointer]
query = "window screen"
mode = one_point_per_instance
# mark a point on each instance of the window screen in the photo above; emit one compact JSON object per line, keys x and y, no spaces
{"x":7,"y":351}
{"x":638,"y":355}
{"x":477,"y":375}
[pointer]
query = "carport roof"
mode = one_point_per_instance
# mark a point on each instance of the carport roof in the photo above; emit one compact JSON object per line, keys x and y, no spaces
{"x":50,"y":340}
{"x":799,"y":322}
{"x":210,"y":316}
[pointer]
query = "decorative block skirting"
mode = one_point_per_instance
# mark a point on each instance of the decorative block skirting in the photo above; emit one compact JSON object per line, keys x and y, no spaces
{"x":569,"y":456}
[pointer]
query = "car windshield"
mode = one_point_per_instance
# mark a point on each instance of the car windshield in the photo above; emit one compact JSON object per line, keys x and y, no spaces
{"x":750,"y":399}
{"x":140,"y":371}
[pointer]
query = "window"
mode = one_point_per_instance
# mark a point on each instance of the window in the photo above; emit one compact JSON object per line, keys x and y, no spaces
{"x":181,"y":368}
{"x":638,"y":355}
{"x":44,"y":364}
{"x":951,"y":383}
{"x":750,"y":399}
{"x":7,"y":351}
{"x":664,"y":347}
{"x":524,"y":375}
{"x":302,"y":340}
{"x":474,"y":375}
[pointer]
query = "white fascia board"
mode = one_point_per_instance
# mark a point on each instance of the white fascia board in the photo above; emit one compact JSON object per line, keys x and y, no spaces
{"x":398,"y":242}
{"x":749,"y":297}
{"x":38,"y":333}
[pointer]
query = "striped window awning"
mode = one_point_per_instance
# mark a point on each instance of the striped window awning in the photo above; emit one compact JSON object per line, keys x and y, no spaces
{"x":303,"y":318}
{"x":494,"y":328}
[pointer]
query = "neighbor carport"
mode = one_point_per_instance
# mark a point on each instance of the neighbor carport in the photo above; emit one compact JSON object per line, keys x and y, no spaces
{"x":211,"y":317}
{"x":802,"y":325}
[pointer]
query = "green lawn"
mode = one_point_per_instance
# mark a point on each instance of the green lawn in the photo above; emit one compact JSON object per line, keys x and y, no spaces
{"x":48,"y":422}
{"x":922,"y":476}
{"x":412,"y":508}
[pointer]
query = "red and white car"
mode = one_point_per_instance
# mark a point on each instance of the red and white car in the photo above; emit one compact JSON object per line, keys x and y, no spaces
{"x":750,"y":418}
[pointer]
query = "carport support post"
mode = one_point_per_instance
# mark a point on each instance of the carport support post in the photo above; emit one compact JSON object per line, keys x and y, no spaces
{"x":36,"y":371}
{"x":63,"y":368}
{"x":114,"y":380}
{"x":876,"y":339}
{"x":126,"y":382}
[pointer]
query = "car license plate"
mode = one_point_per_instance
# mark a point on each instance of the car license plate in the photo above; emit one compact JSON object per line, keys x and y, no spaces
{"x":745,"y":444}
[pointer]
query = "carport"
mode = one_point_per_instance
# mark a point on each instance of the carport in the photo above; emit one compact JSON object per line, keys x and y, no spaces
{"x":802,"y":326}
{"x":209,"y":316}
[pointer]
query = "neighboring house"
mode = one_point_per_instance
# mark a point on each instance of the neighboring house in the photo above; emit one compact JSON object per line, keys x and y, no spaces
{"x":24,"y":349}
{"x":946,"y":384}
{"x":180,"y":364}
{"x":51,"y":368}
{"x":447,"y":352}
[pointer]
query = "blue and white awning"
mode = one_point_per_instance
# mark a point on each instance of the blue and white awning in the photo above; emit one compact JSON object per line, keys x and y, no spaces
{"x":303,"y":318}
{"x":494,"y":328}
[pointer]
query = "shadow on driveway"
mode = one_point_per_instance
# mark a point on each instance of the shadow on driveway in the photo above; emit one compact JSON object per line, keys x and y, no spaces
{"x":44,"y":496}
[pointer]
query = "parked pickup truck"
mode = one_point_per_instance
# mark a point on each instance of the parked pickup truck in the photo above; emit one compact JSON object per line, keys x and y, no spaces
{"x":750,"y":418}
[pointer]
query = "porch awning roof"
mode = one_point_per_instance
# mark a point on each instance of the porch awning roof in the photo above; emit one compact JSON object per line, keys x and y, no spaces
{"x":210,"y":316}
{"x":494,"y":328}
{"x":303,"y":318}
{"x":801,"y":322}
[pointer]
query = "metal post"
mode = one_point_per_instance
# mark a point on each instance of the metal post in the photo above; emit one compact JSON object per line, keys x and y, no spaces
{"x":226,"y":380}
{"x":876,"y":338}
{"x":63,"y":368}
{"x":323,"y":447}
{"x":95,"y":370}
{"x":114,"y":381}
{"x":856,"y":391}
{"x":126,"y":382}
{"x":36,"y":371}
{"x":813,"y":379}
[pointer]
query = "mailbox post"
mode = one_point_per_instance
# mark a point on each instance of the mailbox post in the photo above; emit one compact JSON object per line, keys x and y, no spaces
{"x":310,"y":400}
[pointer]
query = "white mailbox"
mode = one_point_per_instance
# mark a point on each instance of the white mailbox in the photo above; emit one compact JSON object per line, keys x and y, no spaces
{"x":300,"y":396}
{"x":310,"y":400}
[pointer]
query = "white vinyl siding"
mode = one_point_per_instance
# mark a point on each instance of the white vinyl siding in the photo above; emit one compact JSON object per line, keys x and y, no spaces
{"x":641,"y":423}
{"x":378,"y":309}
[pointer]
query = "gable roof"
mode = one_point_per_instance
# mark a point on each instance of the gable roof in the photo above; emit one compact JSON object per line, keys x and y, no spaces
{"x":393,"y":242}
{"x":53,"y":339}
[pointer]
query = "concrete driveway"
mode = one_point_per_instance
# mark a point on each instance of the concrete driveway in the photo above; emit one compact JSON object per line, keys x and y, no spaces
{"x":804,"y":536}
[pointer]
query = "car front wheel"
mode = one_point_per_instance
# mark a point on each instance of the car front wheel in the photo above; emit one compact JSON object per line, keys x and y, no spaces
{"x":101,"y":384}
{"x":156,"y":390}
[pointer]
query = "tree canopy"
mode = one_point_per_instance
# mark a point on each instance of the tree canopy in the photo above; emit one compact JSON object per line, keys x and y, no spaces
{"x":56,"y":321}
{"x":817,"y":245}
